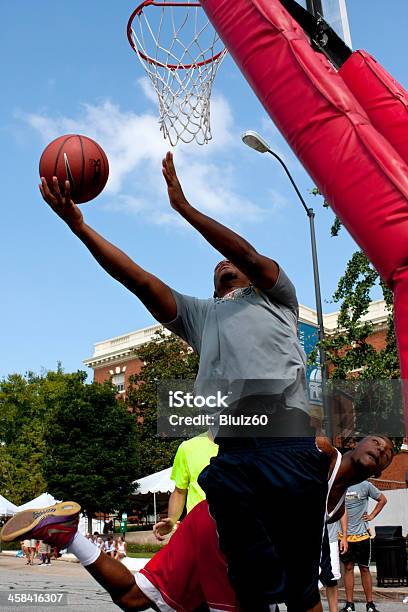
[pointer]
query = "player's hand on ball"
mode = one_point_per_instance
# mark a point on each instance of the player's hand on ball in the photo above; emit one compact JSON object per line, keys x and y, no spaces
{"x":163,"y":528}
{"x":176,"y":196}
{"x":62,"y":204}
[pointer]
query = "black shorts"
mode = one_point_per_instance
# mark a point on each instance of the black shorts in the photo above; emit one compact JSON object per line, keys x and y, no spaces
{"x":268,"y":498}
{"x":326,"y":574}
{"x":358,"y":552}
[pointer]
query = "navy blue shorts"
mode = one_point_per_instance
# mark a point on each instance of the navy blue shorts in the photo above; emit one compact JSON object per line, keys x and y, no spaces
{"x":268,"y":498}
{"x":326,"y":573}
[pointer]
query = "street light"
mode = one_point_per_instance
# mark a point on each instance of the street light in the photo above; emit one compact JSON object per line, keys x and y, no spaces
{"x":256,"y":142}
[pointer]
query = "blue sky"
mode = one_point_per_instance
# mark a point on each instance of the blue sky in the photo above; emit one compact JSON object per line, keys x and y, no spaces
{"x":67,"y":67}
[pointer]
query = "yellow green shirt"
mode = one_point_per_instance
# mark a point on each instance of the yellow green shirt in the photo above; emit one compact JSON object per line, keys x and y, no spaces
{"x":191,"y":458}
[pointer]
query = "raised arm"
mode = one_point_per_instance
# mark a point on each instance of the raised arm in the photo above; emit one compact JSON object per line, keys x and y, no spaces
{"x":261,"y":271}
{"x":155,"y":295}
{"x":381,"y":501}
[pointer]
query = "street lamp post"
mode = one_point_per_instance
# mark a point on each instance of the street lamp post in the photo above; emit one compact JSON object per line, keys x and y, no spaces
{"x":256,"y":142}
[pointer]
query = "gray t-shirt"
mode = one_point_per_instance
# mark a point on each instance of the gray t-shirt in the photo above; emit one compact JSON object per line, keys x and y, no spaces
{"x":248,"y":341}
{"x":357,"y":498}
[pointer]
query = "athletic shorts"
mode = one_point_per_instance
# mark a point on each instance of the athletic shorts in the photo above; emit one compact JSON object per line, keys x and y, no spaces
{"x":358,"y":553}
{"x":267,"y":496}
{"x":330,"y":563}
{"x":190,"y":570}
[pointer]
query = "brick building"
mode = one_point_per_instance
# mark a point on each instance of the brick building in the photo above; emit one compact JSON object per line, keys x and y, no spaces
{"x":117,"y":357}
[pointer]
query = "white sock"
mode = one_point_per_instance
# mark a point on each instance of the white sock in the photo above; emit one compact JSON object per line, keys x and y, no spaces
{"x":85,"y":551}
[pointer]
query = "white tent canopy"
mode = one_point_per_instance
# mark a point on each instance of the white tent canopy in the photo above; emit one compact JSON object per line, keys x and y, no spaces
{"x":7,"y":507}
{"x":155,"y":483}
{"x":45,"y":499}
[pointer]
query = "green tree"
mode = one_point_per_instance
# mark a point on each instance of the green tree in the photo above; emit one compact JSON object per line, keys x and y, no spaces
{"x":24,"y":403}
{"x":91,"y":447}
{"x":166,"y":357}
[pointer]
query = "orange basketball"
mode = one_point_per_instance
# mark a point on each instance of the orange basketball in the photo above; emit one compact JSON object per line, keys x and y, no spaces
{"x":78,"y":159}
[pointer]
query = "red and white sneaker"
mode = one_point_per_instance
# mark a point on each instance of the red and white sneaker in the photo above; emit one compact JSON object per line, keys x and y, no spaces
{"x":55,"y":525}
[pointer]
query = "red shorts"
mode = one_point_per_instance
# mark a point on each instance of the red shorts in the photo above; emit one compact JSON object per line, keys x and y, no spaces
{"x":190,"y":570}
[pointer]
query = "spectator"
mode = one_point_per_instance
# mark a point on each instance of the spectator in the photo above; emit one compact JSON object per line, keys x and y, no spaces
{"x":191,"y":458}
{"x":24,"y":548}
{"x":100,"y":543}
{"x":121,"y":549}
{"x":32,"y":548}
{"x":110,"y":546}
{"x":44,"y":552}
{"x":359,"y":540}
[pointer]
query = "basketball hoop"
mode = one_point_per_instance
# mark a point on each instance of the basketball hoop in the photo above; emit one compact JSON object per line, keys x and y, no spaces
{"x":181,"y":52}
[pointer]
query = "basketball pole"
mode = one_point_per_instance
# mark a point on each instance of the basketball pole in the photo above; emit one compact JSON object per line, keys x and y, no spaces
{"x":315,"y":7}
{"x":256,"y":142}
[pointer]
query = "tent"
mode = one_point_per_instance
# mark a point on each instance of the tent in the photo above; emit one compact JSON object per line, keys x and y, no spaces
{"x":7,"y":508}
{"x":45,"y":499}
{"x":159,"y":482}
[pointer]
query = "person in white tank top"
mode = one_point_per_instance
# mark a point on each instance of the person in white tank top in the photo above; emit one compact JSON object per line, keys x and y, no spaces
{"x":121,"y":549}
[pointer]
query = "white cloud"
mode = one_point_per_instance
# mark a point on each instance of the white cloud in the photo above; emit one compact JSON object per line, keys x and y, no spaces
{"x":147,"y":88}
{"x":135,"y":147}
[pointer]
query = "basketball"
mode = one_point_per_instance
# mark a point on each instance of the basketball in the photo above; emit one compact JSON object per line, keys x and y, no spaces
{"x":78,"y":159}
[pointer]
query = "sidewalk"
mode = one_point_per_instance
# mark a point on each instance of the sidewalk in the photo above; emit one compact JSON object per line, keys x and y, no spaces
{"x":380,"y":594}
{"x":391,"y":594}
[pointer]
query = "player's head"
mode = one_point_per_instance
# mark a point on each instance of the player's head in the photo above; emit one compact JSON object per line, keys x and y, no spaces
{"x":373,"y":454}
{"x":227,"y":276}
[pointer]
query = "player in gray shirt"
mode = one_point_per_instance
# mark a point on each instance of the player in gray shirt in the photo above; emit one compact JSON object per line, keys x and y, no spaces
{"x":246,"y":335}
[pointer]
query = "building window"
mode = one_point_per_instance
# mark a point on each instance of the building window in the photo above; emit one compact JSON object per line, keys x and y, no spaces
{"x":118,"y":380}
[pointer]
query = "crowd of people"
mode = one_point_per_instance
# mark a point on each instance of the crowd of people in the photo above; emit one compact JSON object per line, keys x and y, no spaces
{"x":32,"y":549}
{"x":115,"y":548}
{"x":38,"y":549}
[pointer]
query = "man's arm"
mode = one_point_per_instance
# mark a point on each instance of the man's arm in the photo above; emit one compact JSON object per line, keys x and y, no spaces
{"x":381,"y":501}
{"x":177,"y":501}
{"x":155,"y":295}
{"x":343,"y":541}
{"x":262,"y":271}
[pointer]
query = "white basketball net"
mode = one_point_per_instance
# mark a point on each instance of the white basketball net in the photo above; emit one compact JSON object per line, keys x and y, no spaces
{"x":181,"y":52}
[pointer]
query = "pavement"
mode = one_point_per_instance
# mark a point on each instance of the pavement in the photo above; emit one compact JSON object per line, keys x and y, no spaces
{"x":83,"y":593}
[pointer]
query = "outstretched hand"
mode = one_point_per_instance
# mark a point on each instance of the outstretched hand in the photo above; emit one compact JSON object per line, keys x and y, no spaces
{"x":177,"y":198}
{"x":163,"y":528}
{"x":63,"y":205}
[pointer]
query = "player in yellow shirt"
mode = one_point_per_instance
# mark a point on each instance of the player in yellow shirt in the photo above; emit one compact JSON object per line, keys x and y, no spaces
{"x":191,"y":458}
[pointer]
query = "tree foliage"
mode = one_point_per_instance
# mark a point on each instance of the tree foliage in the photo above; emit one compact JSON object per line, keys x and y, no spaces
{"x":24,"y":405}
{"x":74,"y":440}
{"x":349,"y":349}
{"x":166,"y":357}
{"x":351,"y":355}
{"x":91,"y":447}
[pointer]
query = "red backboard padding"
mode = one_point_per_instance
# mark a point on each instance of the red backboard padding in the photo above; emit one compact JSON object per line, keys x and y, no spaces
{"x":360,"y":173}
{"x":383,"y":98}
